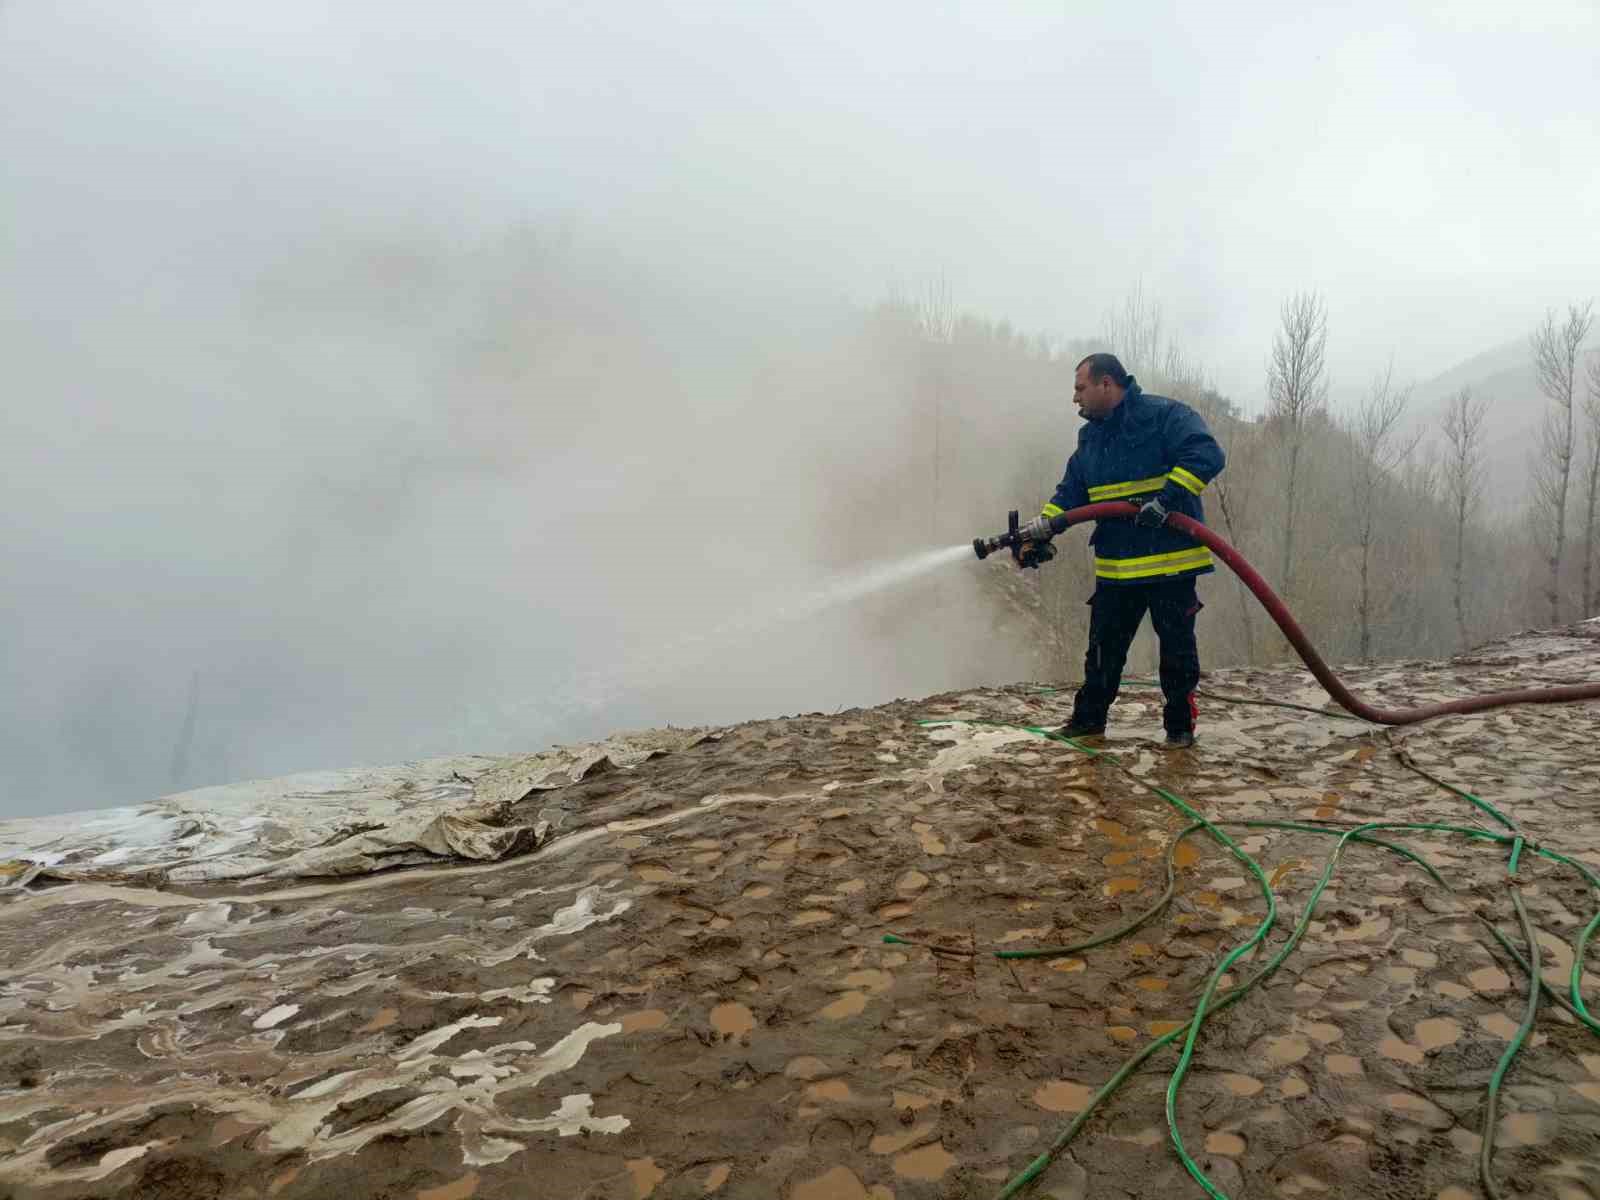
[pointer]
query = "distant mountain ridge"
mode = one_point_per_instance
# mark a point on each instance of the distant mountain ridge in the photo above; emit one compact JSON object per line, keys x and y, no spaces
{"x":1504,"y":376}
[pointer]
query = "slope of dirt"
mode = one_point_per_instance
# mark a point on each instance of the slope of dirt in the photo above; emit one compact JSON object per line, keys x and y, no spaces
{"x":684,"y":991}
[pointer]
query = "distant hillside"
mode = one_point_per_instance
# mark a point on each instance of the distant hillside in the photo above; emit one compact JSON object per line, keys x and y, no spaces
{"x":1504,"y":376}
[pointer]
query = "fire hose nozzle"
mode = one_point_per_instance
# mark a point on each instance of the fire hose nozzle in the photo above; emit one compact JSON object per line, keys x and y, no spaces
{"x":1028,"y":553}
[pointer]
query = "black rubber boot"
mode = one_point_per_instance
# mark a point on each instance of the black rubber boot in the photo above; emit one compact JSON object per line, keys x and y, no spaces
{"x":1078,"y":729}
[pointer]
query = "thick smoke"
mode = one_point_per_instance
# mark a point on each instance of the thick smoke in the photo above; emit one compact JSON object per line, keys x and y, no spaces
{"x":383,"y":382}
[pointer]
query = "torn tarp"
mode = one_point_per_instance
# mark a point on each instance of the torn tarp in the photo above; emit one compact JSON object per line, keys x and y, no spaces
{"x":345,"y":822}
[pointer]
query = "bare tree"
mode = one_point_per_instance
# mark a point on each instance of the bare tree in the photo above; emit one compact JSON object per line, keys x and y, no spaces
{"x":936,"y":311}
{"x":1135,"y":334}
{"x":1591,"y":417}
{"x":180,"y":753}
{"x":1377,"y":449}
{"x":1463,"y":471}
{"x":1297,"y":387}
{"x":1555,"y":357}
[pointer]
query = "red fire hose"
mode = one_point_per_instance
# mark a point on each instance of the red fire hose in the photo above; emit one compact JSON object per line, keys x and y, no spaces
{"x":1302,"y":644}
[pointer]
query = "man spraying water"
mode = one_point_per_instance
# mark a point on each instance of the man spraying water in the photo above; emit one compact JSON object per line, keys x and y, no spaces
{"x":1157,"y":453}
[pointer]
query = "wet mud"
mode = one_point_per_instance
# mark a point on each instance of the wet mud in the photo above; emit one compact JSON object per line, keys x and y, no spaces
{"x":685,"y":992}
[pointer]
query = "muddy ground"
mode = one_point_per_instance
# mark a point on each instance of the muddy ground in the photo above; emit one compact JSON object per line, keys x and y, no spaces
{"x":685,"y":992}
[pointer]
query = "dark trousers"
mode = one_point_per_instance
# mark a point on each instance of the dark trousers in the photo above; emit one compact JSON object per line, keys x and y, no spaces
{"x":1115,"y":611}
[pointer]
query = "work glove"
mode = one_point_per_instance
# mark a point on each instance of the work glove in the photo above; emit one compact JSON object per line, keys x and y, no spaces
{"x":1035,"y":554}
{"x":1036,"y":530}
{"x":1152,"y":515}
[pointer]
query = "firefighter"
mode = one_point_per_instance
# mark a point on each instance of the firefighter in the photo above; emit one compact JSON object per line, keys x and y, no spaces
{"x":1157,"y":453}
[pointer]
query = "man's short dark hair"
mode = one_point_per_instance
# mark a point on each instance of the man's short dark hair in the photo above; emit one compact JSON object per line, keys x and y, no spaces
{"x":1101,"y":365}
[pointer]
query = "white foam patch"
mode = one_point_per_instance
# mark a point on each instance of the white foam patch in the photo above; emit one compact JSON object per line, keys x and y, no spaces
{"x":211,"y":917}
{"x":275,"y":1016}
{"x":575,"y":1116}
{"x":576,"y":917}
{"x":434,"y":1038}
{"x":971,"y":745}
{"x":113,"y":1160}
{"x":535,"y":991}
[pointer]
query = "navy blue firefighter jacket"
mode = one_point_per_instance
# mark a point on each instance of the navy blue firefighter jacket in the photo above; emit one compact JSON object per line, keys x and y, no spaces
{"x":1149,"y":445}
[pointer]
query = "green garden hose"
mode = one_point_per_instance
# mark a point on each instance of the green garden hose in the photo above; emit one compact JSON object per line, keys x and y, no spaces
{"x":1210,"y":1003}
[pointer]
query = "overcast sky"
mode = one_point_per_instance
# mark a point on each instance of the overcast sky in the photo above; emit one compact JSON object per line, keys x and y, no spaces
{"x":1429,"y":167}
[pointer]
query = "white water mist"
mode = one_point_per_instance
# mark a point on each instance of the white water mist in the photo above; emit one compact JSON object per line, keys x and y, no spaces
{"x":591,"y":692}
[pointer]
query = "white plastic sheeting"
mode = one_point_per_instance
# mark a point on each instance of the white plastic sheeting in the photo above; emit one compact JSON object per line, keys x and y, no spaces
{"x":321,"y":822}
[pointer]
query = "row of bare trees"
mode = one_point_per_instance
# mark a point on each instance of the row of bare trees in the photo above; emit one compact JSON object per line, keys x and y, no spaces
{"x":1462,"y":426}
{"x":1374,"y":517}
{"x":1557,"y":347}
{"x":1398,"y":483}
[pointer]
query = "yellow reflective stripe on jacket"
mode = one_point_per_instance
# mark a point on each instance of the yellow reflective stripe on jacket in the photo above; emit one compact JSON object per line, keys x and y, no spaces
{"x":1153,"y":564}
{"x":1051,"y":510}
{"x":1187,"y":479}
{"x":1116,"y":491}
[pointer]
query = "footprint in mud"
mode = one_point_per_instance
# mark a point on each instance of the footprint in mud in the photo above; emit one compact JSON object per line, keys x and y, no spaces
{"x":850,"y":1004}
{"x":1063,"y":1096}
{"x":1293,"y":1087}
{"x":910,"y":883}
{"x":1282,"y":1051}
{"x":461,"y":1189}
{"x":928,"y":839}
{"x":835,"y":1090}
{"x":1435,"y":1033}
{"x":893,"y":1143}
{"x":874,"y":981}
{"x":1489,"y":981}
{"x":1322,"y":1032}
{"x":929,"y":1162}
{"x":1419,"y":1109}
{"x":917,"y":1101}
{"x":644,"y":1021}
{"x":1504,"y":1028}
{"x":732,"y":1020}
{"x":1240,"y":1085}
{"x":840,"y":1183}
{"x":1526,"y":1129}
{"x":1230,"y":1145}
{"x":646,"y":1176}
{"x":812,"y":916}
